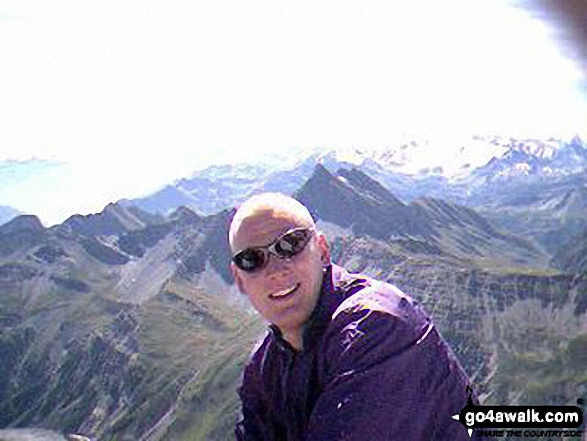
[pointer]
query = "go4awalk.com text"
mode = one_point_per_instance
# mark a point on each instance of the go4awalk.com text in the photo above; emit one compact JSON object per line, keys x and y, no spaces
{"x":521,"y":421}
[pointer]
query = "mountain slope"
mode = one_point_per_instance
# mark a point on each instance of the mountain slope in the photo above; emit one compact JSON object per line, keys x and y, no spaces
{"x":572,"y":255}
{"x":465,"y":233}
{"x":106,"y":347}
{"x":550,"y":212}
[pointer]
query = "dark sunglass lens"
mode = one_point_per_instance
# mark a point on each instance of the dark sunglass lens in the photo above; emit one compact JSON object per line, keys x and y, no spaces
{"x":292,"y":243}
{"x":250,"y":260}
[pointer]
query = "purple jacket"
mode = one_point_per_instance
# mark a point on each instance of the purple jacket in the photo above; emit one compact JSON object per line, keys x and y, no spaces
{"x":373,"y":367}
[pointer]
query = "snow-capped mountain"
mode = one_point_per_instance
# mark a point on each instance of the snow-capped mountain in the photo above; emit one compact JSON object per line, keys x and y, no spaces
{"x":537,"y":158}
{"x":452,"y":157}
{"x":456,"y":159}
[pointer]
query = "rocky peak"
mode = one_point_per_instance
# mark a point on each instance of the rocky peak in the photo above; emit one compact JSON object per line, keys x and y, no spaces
{"x":122,"y":214}
{"x":207,"y":243}
{"x":355,"y":200}
{"x":25,"y":223}
{"x":324,"y":194}
{"x":571,"y":157}
{"x":578,"y":142}
{"x":20,"y":233}
{"x":184,"y":215}
{"x":115,"y":219}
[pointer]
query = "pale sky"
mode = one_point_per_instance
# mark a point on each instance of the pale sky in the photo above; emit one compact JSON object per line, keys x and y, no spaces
{"x":102,"y":100}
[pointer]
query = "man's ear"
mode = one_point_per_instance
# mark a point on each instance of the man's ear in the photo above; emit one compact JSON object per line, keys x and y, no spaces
{"x":237,"y":278}
{"x":324,"y":249}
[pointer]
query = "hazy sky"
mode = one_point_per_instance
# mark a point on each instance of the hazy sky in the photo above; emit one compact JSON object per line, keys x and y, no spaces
{"x":110,"y":99}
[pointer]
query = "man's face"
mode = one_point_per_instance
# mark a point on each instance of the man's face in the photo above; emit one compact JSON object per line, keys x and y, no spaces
{"x":285,"y":291}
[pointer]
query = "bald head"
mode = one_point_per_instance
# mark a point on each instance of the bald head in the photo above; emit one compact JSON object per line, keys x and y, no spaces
{"x":283,"y":286}
{"x":268,"y":205}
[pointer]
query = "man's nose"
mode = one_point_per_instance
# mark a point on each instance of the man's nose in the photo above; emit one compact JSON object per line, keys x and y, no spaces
{"x":277,"y":266}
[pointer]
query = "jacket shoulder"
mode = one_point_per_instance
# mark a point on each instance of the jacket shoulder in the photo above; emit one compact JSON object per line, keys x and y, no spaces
{"x":386,"y":299}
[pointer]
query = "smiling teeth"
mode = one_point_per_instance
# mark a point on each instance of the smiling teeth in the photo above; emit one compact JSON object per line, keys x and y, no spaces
{"x":284,"y":292}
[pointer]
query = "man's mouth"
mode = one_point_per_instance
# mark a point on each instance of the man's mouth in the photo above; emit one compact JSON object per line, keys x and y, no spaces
{"x":284,"y":293}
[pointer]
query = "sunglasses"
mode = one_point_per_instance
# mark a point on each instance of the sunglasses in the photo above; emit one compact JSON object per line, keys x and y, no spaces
{"x":286,"y":246}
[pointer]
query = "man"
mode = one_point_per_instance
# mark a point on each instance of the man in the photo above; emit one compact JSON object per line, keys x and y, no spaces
{"x":346,"y":357}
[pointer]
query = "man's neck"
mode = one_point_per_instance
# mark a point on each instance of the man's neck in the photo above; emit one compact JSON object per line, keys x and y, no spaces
{"x":295,"y":339}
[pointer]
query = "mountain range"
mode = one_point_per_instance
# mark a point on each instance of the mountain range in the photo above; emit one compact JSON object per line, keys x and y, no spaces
{"x":411,"y":170}
{"x":530,"y":188}
{"x":125,"y":324}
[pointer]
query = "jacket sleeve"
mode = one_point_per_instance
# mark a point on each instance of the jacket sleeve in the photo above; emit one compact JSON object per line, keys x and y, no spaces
{"x":389,"y":376}
{"x":250,"y":425}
